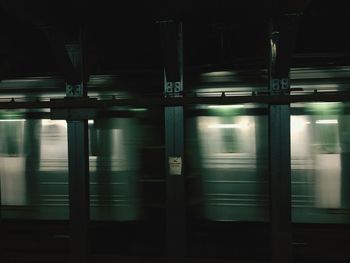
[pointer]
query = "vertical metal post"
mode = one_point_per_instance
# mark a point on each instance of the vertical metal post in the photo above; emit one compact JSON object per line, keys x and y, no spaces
{"x":104,"y":163}
{"x":78,"y":162}
{"x":344,"y":126}
{"x":2,"y":250}
{"x":280,"y":183}
{"x":174,"y":143}
{"x":176,"y":219}
{"x":282,"y":40}
{"x":32,"y":147}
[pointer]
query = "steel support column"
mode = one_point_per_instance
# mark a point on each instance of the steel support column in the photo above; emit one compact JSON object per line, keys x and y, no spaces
{"x":32,"y":159}
{"x":280,"y":183}
{"x":174,"y":142}
{"x":78,"y":149}
{"x":3,"y":255}
{"x":78,"y":163}
{"x":282,"y":37}
{"x":176,"y":219}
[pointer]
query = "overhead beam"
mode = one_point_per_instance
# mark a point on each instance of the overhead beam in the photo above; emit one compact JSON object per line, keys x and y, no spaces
{"x":341,"y":96}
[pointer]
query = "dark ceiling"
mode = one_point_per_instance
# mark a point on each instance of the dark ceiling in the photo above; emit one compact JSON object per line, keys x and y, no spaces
{"x":126,"y":37}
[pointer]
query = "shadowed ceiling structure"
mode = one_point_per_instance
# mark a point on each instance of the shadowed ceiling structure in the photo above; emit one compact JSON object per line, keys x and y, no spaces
{"x":126,"y":36}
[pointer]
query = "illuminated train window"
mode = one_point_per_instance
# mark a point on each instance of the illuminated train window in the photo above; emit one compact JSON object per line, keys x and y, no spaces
{"x":228,"y":134}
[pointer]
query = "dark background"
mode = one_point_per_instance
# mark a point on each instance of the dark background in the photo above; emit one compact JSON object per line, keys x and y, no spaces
{"x":125,"y":36}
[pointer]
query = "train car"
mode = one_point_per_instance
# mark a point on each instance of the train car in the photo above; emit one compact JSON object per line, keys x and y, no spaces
{"x":229,"y":161}
{"x":227,"y":165}
{"x":34,"y":166}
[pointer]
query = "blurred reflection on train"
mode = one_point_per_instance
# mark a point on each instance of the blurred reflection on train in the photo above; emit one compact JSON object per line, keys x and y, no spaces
{"x":226,"y":164}
{"x":34,"y":166}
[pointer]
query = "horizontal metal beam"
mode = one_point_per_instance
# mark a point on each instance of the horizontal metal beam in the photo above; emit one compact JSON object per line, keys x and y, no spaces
{"x":176,"y":101}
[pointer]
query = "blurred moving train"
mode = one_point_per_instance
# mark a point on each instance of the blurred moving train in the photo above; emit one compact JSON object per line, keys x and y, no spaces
{"x":34,"y":167}
{"x":232,"y":169}
{"x":226,"y":164}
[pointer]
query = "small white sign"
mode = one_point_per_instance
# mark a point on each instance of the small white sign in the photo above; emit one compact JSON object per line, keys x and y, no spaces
{"x":175,"y":165}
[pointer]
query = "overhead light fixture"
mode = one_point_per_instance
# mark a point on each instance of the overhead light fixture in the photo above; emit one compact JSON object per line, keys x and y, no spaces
{"x":11,"y":120}
{"x":318,"y":86}
{"x":324,"y":106}
{"x":138,"y":109}
{"x":228,"y":126}
{"x":321,"y":103}
{"x":235,"y":106}
{"x":327,"y":122}
{"x":218,"y":74}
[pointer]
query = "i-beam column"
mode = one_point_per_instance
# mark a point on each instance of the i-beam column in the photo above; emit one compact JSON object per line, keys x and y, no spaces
{"x":70,"y":58}
{"x":282,"y":37}
{"x":78,"y":167}
{"x":171,"y":33}
{"x":3,"y":256}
